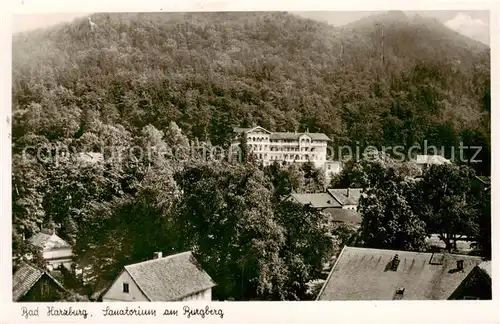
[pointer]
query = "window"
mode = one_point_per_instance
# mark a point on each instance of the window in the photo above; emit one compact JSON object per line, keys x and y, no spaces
{"x":125,"y":288}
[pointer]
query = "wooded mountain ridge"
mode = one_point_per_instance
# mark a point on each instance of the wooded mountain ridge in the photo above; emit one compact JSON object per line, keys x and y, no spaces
{"x":209,"y":72}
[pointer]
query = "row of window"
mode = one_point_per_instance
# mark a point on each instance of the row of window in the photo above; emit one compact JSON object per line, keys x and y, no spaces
{"x":290,"y":157}
{"x":280,"y":149}
{"x":266,"y":139}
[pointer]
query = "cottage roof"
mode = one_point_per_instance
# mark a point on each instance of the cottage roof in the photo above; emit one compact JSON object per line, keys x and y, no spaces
{"x":432,"y":159}
{"x":348,"y":196}
{"x":365,"y":274}
{"x":25,"y":278}
{"x":170,"y":278}
{"x":48,"y":241}
{"x":343,"y":215}
{"x":316,"y":200}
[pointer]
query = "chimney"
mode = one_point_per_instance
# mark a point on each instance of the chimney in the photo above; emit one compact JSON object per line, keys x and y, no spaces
{"x":460,"y":264}
{"x":395,"y":263}
{"x":400,"y":291}
{"x":348,"y":192}
{"x":157,"y":255}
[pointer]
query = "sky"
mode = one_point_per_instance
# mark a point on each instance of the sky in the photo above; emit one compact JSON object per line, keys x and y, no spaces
{"x":474,"y":24}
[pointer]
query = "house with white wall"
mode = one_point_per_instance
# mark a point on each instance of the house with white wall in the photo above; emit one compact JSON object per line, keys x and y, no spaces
{"x":56,"y":251}
{"x":177,"y":277}
{"x":425,"y":161}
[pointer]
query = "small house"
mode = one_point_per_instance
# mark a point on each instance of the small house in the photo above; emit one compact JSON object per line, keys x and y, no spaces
{"x":348,"y":198}
{"x":31,"y":284}
{"x":425,"y":161}
{"x":56,"y":251}
{"x":177,"y":277}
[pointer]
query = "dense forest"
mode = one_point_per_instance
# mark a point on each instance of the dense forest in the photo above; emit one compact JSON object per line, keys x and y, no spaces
{"x":170,"y":79}
{"x":210,"y":72}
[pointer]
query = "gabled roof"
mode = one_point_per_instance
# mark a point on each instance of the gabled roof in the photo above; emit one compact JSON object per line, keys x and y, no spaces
{"x":25,"y":278}
{"x":348,"y":196}
{"x":432,"y":159}
{"x":170,"y":278}
{"x":343,"y":215}
{"x":364,"y":274}
{"x":48,"y":242}
{"x":485,"y":268}
{"x":249,"y":129}
{"x":316,"y":200}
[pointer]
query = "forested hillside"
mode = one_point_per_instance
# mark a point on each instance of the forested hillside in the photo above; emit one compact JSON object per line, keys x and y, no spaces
{"x":209,"y":72}
{"x":162,"y":79}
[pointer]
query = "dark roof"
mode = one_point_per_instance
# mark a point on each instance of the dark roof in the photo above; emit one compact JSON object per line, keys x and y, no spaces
{"x":170,"y":278}
{"x":363,"y":274}
{"x":348,"y":196}
{"x":343,"y":215}
{"x":49,"y":242}
{"x":25,"y":278}
{"x":316,"y":200}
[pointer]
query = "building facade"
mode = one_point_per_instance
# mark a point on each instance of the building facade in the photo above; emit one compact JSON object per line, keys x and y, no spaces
{"x":288,"y":147}
{"x":176,"y":277}
{"x":425,"y":161}
{"x":55,"y":250}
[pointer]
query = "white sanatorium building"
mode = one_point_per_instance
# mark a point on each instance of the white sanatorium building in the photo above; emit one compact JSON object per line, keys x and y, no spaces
{"x":290,"y":147}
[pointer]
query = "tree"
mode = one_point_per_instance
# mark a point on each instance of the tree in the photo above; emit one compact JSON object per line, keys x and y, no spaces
{"x":129,"y":228}
{"x":313,"y":177}
{"x":388,"y":219}
{"x":28,"y":186}
{"x":226,"y":217}
{"x":286,"y":179}
{"x":307,"y":248}
{"x":372,"y":170}
{"x":243,"y":147}
{"x":445,"y":191}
